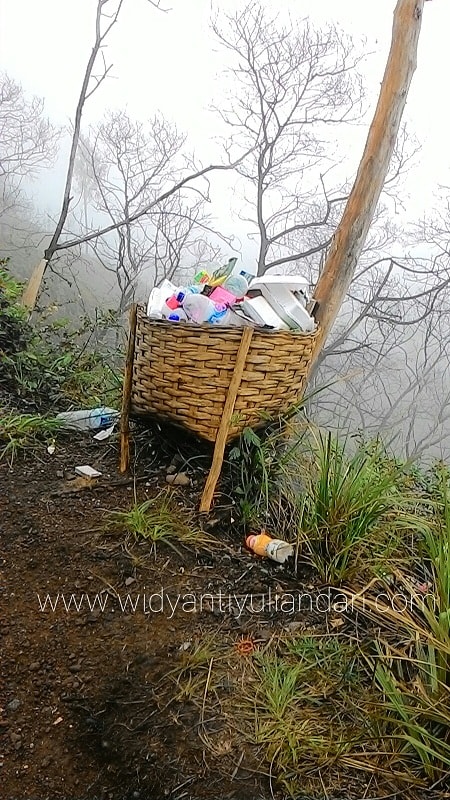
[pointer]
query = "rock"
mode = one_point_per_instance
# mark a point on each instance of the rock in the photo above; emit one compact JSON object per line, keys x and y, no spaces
{"x":75,"y":668}
{"x":46,"y":762}
{"x":129,"y":581}
{"x":180,"y":479}
{"x":13,"y":705}
{"x":34,"y":666}
{"x":16,"y":738}
{"x":293,"y":627}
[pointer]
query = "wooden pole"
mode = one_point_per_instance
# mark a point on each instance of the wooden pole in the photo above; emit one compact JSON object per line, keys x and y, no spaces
{"x":31,"y":290}
{"x":222,"y":433}
{"x":352,"y":231}
{"x":126,"y":395}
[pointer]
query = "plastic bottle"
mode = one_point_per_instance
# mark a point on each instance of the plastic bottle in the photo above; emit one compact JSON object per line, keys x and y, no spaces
{"x":89,"y":419}
{"x":221,"y":315}
{"x":198,"y":307}
{"x":154,"y":305}
{"x":236,"y":285}
{"x":264,"y":545}
{"x":187,"y":290}
{"x":177,"y":316}
{"x":158,"y":297}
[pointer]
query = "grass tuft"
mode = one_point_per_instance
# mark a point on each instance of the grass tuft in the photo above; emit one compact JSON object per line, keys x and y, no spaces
{"x":158,"y":520}
{"x":23,"y":431}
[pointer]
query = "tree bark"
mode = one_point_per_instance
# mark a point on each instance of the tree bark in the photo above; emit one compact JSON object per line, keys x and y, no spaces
{"x":352,"y":231}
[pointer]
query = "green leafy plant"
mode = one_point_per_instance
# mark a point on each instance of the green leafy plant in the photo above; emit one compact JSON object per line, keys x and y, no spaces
{"x":51,"y":365}
{"x":21,"y":431}
{"x":343,"y":506}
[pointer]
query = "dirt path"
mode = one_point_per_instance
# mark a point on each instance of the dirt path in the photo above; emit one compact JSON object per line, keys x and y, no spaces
{"x":81,"y":712}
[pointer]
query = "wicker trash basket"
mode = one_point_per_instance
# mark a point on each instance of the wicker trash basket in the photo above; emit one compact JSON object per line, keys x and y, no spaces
{"x":212,"y":381}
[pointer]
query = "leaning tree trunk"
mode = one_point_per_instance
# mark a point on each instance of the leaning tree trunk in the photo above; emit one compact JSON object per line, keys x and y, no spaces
{"x":352,"y":231}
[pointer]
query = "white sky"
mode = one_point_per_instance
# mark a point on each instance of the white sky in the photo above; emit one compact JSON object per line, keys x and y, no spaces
{"x":166,"y":62}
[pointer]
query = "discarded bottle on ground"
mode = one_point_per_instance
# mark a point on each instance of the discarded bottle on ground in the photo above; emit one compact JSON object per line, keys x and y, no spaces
{"x":88,"y":419}
{"x":264,"y":545}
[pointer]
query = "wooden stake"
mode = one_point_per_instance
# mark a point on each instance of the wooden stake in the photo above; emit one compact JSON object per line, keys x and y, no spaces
{"x":31,"y":291}
{"x":126,"y":394}
{"x":222,"y":433}
{"x":352,"y":231}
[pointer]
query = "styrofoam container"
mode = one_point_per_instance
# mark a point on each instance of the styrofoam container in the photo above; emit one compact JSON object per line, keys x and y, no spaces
{"x":259,"y":310}
{"x":287,"y":295}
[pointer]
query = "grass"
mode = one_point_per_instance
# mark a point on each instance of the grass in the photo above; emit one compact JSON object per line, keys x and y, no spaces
{"x":374,"y":702}
{"x":304,"y":704}
{"x":23,"y":431}
{"x":342,"y":512}
{"x":264,"y":469}
{"x":158,"y":520}
{"x":416,"y":683}
{"x":411,"y":658}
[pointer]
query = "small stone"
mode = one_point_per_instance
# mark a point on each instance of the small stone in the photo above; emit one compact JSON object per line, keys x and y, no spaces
{"x":34,"y":666}
{"x":129,"y":581}
{"x":60,"y":473}
{"x":75,"y":667}
{"x":15,"y":738}
{"x":13,"y":705}
{"x":180,"y":479}
{"x":293,"y":627}
{"x":46,"y":762}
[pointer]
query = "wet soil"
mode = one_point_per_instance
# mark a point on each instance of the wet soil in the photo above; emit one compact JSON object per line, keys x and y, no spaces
{"x":87,"y":637}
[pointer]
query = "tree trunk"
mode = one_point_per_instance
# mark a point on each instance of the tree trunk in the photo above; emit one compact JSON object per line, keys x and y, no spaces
{"x":351,"y":233}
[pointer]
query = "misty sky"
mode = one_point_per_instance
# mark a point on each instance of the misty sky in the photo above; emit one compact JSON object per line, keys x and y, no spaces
{"x":168,"y":62}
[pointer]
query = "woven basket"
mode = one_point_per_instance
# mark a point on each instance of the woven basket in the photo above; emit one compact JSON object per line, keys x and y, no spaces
{"x":182,"y":374}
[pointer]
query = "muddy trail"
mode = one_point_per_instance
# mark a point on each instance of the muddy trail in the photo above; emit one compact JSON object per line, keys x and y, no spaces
{"x":94,"y":628}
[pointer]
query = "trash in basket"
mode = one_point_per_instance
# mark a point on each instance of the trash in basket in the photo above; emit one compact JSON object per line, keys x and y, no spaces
{"x":225,"y":297}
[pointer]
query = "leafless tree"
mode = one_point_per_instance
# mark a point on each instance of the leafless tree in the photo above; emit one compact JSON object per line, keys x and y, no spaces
{"x":123,"y":167}
{"x":107,"y":14}
{"x":28,"y":141}
{"x":290,"y":83}
{"x":388,"y":354}
{"x":293,"y":84}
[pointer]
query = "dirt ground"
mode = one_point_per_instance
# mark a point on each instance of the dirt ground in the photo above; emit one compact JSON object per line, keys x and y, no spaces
{"x":90,"y":708}
{"x":80,"y":701}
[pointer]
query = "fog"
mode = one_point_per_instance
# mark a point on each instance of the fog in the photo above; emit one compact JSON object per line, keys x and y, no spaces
{"x":168,"y":68}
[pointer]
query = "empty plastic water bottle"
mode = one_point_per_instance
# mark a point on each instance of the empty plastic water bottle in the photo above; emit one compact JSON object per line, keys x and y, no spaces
{"x":89,"y":419}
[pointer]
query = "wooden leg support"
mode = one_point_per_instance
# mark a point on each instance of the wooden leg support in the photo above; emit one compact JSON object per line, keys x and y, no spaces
{"x":222,"y":433}
{"x":126,"y":395}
